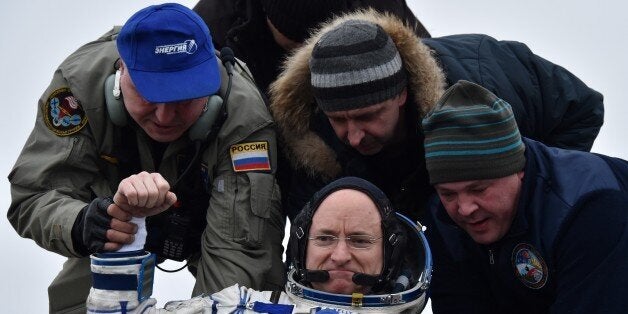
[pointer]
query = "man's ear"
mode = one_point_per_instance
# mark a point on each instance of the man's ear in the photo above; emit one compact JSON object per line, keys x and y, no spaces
{"x":403,"y":96}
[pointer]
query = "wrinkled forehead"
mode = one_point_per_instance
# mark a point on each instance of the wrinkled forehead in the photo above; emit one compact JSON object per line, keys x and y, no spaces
{"x":359,"y":112}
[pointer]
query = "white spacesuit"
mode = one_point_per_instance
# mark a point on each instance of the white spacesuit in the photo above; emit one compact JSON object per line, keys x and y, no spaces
{"x":400,"y":288}
{"x":122,"y":281}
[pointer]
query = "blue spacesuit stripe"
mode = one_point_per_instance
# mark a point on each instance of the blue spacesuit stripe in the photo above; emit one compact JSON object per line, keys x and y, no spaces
{"x":114,"y":282}
{"x":261,"y":307}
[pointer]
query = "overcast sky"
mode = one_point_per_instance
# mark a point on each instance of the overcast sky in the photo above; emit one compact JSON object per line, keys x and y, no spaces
{"x":587,"y":38}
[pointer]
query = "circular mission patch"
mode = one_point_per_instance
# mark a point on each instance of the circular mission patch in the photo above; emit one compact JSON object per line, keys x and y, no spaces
{"x":529,"y":266}
{"x":63,"y":114}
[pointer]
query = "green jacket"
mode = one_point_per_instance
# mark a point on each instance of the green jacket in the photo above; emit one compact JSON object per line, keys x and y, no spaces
{"x":61,"y":169}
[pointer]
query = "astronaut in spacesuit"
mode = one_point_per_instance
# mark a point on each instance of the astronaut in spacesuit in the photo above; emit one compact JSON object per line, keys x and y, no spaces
{"x":350,"y":253}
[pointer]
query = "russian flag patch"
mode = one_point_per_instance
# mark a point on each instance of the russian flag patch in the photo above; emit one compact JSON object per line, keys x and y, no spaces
{"x":250,"y":156}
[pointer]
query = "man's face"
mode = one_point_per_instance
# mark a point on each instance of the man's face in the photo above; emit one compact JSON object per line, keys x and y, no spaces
{"x":345,"y":213}
{"x":370,"y":129}
{"x":485,"y":209}
{"x":163,"y":122}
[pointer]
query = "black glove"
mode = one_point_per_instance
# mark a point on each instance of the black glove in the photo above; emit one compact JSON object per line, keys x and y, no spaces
{"x":91,"y":225}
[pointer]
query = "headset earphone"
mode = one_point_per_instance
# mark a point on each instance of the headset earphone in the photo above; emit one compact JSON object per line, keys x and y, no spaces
{"x":204,"y":129}
{"x":118,"y":115}
{"x":113,"y":100}
{"x":394,"y":236}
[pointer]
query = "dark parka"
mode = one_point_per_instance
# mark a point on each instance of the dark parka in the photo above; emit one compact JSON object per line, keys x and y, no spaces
{"x":550,"y":105}
{"x":241,"y":26}
{"x":572,"y":214}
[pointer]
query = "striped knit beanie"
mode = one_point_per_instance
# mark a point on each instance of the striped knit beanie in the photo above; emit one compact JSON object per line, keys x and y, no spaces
{"x":471,"y":135}
{"x":355,"y":65}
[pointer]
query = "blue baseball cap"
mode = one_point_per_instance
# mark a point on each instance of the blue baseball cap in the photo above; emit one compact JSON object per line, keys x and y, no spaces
{"x":169,"y":54}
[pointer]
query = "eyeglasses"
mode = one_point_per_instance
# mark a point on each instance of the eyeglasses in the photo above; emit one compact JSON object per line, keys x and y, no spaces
{"x":356,"y":241}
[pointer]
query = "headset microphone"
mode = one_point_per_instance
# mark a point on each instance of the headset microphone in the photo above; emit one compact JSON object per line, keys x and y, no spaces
{"x":228,"y":59}
{"x":174,"y":244}
{"x":214,"y":107}
{"x":365,"y":279}
{"x":315,"y":275}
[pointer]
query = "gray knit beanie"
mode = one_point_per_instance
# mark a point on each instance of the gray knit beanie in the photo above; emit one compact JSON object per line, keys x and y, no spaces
{"x":355,"y":65}
{"x":471,"y":135}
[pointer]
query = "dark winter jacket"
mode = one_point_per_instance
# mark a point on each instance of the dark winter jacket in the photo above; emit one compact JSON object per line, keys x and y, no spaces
{"x":241,"y":25}
{"x":565,"y":251}
{"x":550,"y":103}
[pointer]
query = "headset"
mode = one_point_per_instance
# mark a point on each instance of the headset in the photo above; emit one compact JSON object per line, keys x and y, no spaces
{"x":407,"y":295}
{"x":174,"y":242}
{"x":118,"y":115}
{"x":395,"y":237}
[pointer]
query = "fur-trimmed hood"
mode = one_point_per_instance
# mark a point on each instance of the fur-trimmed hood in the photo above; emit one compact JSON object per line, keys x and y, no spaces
{"x":293,"y":104}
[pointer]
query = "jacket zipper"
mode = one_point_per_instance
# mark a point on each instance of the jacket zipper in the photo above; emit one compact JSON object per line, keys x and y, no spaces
{"x":491,"y":257}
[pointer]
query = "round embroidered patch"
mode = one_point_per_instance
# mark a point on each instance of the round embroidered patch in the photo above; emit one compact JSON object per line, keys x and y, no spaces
{"x":529,"y":266}
{"x":63,"y":114}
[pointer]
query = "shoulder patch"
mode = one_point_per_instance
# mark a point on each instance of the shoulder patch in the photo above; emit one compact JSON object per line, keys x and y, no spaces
{"x":529,"y":266}
{"x":251,"y":156}
{"x":63,"y":114}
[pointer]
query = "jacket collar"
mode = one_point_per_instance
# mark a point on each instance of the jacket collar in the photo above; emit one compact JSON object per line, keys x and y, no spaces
{"x":294,"y":108}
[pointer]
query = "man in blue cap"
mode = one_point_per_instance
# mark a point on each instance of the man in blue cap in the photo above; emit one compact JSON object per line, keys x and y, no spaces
{"x":521,"y":227}
{"x":146,"y":121}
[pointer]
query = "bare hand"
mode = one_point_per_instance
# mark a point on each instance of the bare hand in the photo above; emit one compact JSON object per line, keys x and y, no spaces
{"x":144,"y":194}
